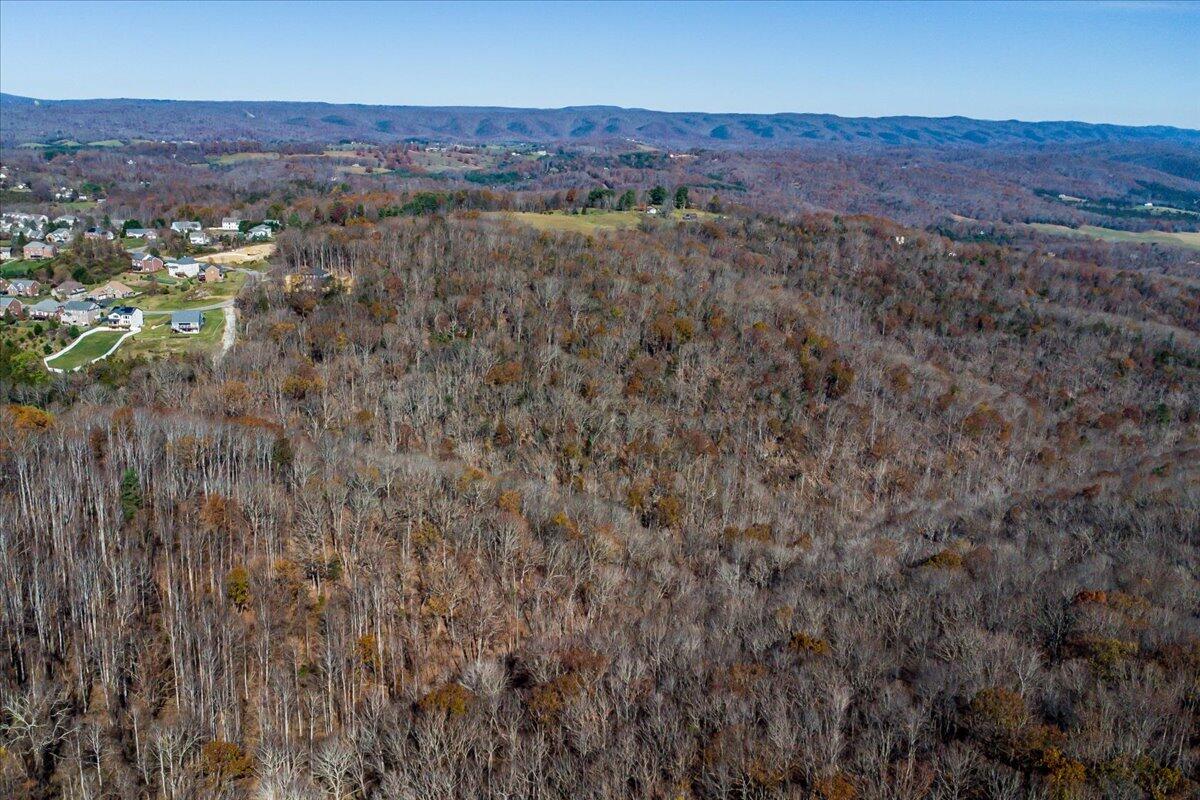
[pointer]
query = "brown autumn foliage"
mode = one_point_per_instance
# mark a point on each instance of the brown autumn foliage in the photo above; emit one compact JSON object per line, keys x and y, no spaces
{"x":654,"y":513}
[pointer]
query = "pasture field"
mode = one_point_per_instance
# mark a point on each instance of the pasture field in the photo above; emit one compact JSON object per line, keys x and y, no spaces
{"x":237,"y":158}
{"x":1187,"y":239}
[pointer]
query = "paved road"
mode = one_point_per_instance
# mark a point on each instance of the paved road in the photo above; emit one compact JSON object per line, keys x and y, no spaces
{"x":213,"y":307}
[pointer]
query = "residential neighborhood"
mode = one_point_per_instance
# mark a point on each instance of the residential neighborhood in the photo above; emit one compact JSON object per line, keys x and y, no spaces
{"x":169,"y":281}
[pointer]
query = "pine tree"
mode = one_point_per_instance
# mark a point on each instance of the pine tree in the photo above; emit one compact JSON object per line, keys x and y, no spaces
{"x":131,"y":494}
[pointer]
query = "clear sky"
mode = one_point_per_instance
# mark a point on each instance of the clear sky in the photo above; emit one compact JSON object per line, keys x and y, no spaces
{"x":1122,"y":62}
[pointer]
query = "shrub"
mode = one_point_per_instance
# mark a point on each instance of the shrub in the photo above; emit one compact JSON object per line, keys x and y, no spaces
{"x":29,"y":418}
{"x":803,"y":643}
{"x":946,"y":559}
{"x":237,"y":587}
{"x":838,"y":379}
{"x":224,"y":761}
{"x":504,"y":374}
{"x":509,"y":501}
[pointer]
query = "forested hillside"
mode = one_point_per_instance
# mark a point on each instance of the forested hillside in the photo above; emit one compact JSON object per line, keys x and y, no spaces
{"x":30,"y":120}
{"x":745,"y":507}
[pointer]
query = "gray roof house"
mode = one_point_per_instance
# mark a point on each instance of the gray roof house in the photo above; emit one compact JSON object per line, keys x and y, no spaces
{"x":80,"y":312}
{"x":45,"y":309}
{"x":187,"y":321}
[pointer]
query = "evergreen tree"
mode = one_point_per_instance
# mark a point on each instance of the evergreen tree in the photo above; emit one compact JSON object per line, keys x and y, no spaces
{"x":131,"y":494}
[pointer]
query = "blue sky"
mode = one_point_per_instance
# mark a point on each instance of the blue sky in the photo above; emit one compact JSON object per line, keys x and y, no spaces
{"x":1121,"y":62}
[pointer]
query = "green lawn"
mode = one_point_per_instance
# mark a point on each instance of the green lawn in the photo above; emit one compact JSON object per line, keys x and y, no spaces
{"x":18,"y":269}
{"x":87,"y":351}
{"x":157,"y":338}
{"x":1189,"y":240}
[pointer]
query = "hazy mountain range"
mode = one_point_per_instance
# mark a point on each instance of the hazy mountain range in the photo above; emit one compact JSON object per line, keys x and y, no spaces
{"x":27,"y":119}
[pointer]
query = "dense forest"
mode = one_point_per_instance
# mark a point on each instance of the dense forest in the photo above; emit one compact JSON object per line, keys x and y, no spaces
{"x":789,"y":504}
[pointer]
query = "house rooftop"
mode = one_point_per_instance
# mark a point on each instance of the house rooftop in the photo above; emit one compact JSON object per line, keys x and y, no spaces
{"x":187,"y":317}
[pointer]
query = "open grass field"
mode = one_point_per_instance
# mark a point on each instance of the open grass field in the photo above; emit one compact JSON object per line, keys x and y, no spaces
{"x":157,"y":339}
{"x":362,"y":169}
{"x":587,"y":223}
{"x":199,"y":295}
{"x":1189,"y":240}
{"x":452,"y":162}
{"x":88,"y":350}
{"x":237,"y":158}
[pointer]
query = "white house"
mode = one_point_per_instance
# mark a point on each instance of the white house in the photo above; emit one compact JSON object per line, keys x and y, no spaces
{"x":60,"y":236}
{"x":199,"y":238}
{"x":183,"y":225}
{"x":125,"y":317}
{"x":186,"y":267}
{"x":149,"y":234}
{"x":230,"y":223}
{"x":259,"y":232}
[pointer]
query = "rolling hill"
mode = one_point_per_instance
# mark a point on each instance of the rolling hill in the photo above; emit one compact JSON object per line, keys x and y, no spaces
{"x":31,"y":120}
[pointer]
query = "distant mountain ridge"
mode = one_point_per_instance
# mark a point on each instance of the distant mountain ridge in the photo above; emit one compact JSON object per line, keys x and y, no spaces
{"x":24,"y":119}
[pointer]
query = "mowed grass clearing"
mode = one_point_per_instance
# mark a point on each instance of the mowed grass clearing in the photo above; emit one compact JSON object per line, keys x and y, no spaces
{"x":1187,"y":239}
{"x":157,"y":339}
{"x":89,"y":349}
